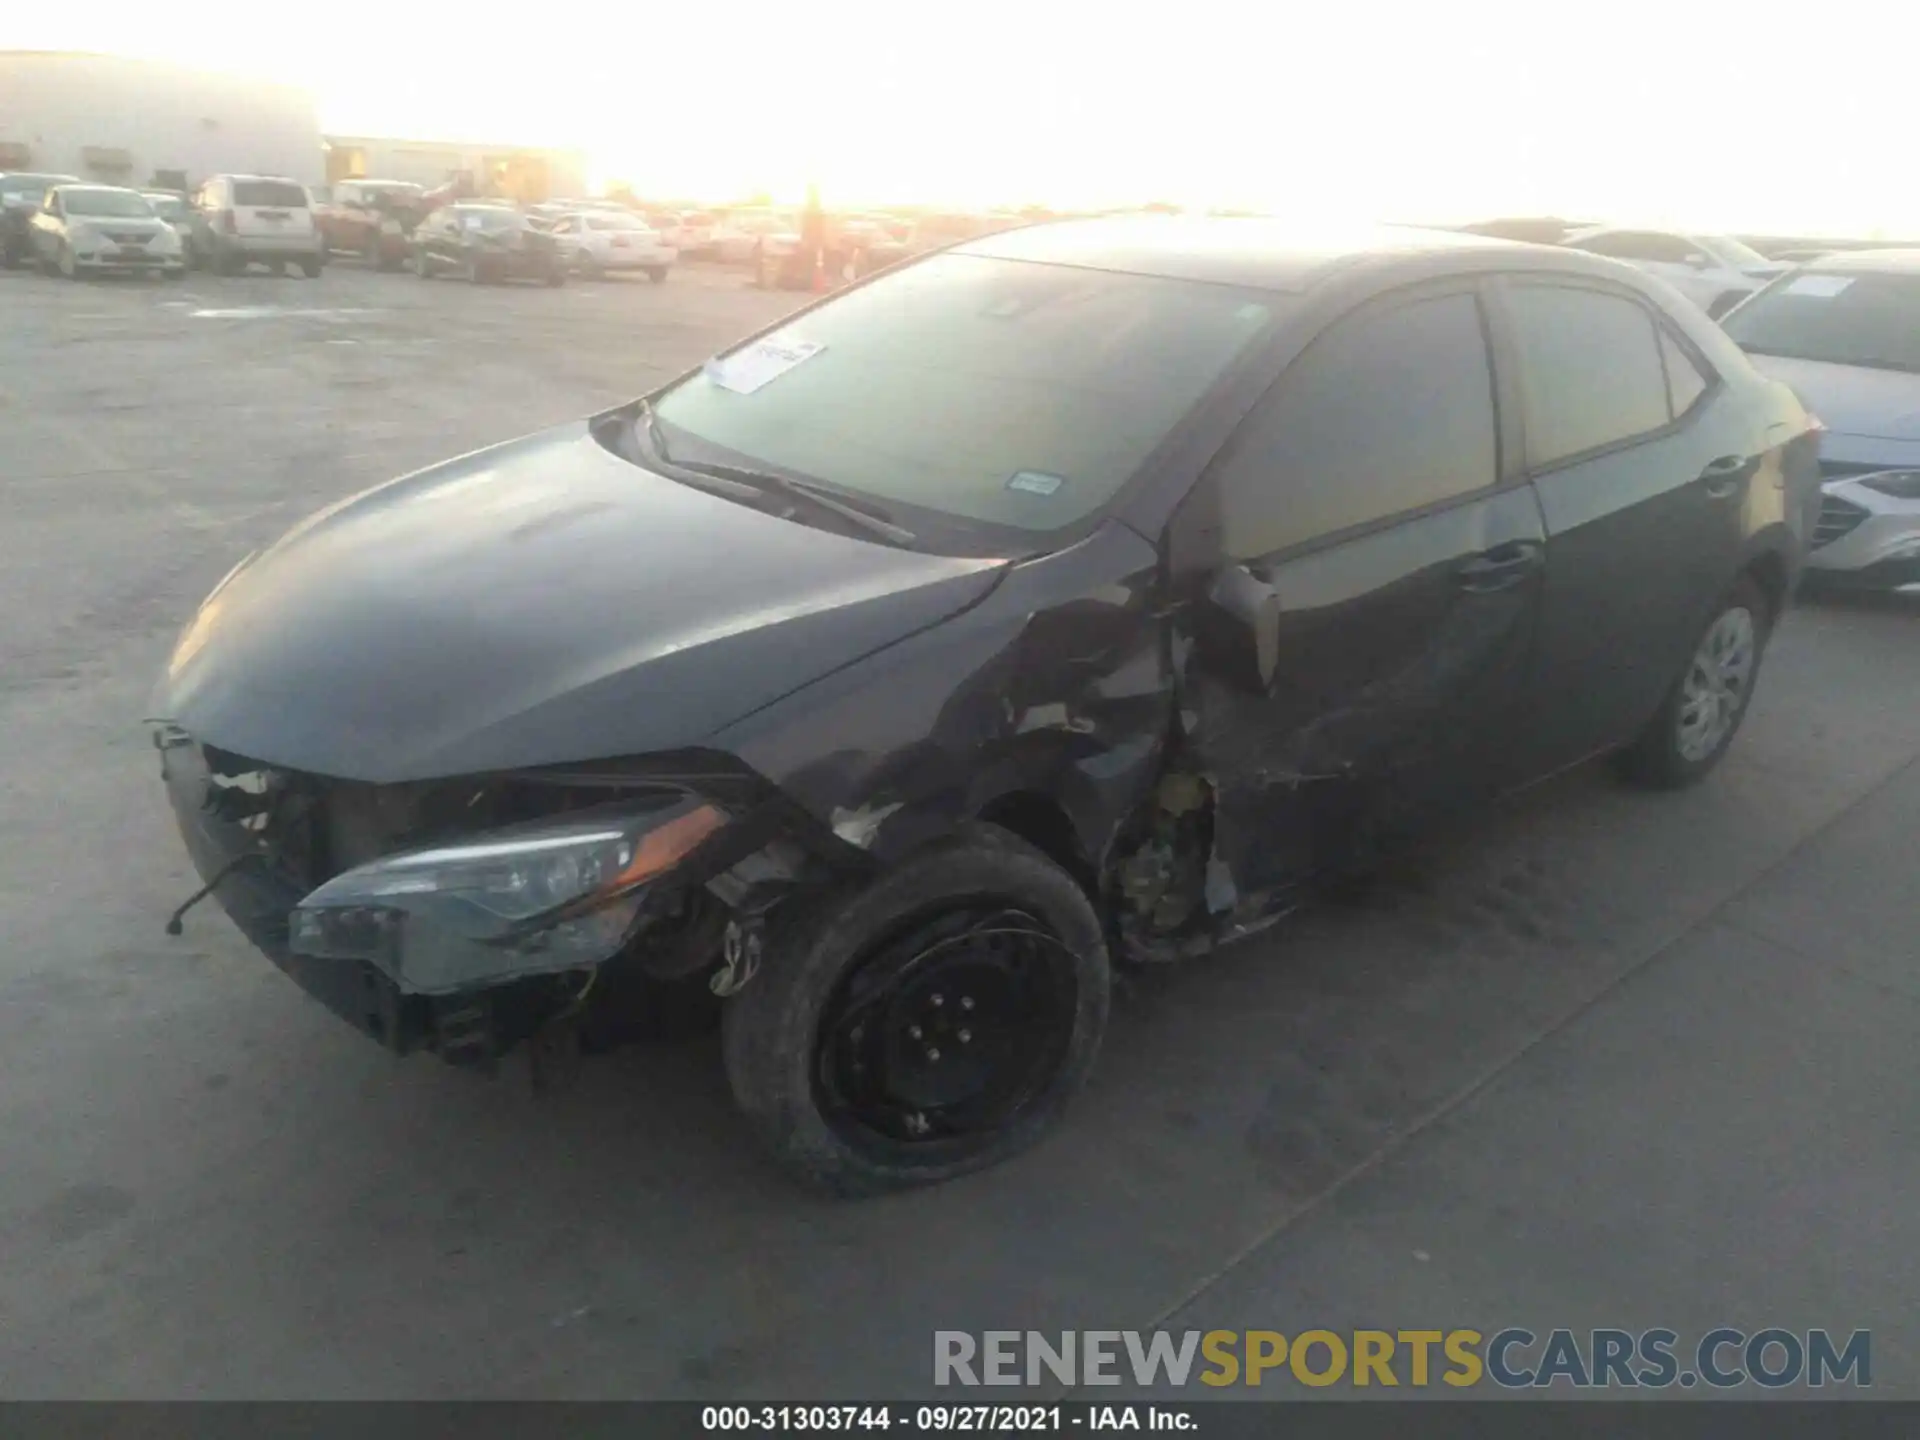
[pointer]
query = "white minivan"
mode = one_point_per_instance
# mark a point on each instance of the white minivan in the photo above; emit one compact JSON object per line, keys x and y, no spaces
{"x":242,"y":220}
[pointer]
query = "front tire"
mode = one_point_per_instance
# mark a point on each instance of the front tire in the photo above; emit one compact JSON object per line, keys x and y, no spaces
{"x":977,"y":951}
{"x":1696,"y":723}
{"x":657,"y":274}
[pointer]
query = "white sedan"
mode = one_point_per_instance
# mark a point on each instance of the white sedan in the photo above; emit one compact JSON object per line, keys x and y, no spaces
{"x":91,"y":229}
{"x":599,"y":242}
{"x":1716,"y":272}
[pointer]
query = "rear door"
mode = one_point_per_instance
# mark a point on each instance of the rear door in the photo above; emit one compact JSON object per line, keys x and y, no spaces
{"x":1365,"y":502}
{"x":271,"y":208}
{"x":1641,"y":457}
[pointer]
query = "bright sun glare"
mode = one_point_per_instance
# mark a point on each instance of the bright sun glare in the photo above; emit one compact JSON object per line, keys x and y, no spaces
{"x":1639,"y":113}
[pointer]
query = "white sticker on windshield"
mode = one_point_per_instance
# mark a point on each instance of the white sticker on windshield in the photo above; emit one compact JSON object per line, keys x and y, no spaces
{"x":1035,"y":482}
{"x":1821,"y":286}
{"x":745,"y":371}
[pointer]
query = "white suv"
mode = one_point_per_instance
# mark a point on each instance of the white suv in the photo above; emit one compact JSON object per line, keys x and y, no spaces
{"x":1716,"y":272}
{"x":254,"y":219}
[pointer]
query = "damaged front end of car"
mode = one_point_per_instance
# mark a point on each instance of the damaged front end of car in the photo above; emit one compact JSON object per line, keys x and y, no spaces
{"x":464,"y":917}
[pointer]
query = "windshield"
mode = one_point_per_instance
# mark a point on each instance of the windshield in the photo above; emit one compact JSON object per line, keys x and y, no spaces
{"x":1737,"y":253}
{"x":1847,"y":319}
{"x":168,"y":207}
{"x":121,"y":203}
{"x":998,"y":391}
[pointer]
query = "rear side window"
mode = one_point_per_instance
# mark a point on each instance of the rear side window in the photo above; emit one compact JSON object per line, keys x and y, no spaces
{"x":276,"y":194}
{"x":1591,"y":369}
{"x":1685,"y":383}
{"x":1387,"y":411}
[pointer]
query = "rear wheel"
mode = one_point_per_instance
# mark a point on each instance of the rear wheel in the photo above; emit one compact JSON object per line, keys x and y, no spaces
{"x":1696,"y":723}
{"x":936,"y":1022}
{"x":657,"y":274}
{"x":310,"y":268}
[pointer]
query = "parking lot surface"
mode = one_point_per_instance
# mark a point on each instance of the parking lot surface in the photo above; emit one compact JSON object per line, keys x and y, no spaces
{"x":1604,"y":1058}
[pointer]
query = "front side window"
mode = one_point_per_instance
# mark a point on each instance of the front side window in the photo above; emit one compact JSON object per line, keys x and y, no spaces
{"x":1386,"y":412}
{"x":1590,"y":367}
{"x":1003,"y":392}
{"x":1839,"y":317}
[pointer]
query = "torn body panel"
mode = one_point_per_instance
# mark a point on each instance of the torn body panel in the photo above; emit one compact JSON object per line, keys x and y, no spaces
{"x":1396,"y":680}
{"x":1056,"y":685}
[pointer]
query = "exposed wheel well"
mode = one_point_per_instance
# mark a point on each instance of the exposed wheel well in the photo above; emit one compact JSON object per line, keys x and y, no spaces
{"x":1769,"y":572}
{"x":1043,"y":823}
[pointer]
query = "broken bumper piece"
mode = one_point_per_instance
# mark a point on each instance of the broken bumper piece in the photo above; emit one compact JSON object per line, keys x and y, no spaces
{"x":413,"y":948}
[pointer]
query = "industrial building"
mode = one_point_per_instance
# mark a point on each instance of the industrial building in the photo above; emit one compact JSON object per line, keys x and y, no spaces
{"x":138,"y":122}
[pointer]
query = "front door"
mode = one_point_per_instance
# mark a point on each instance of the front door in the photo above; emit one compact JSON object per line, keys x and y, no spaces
{"x":1640,"y":458}
{"x":1359,"y":650}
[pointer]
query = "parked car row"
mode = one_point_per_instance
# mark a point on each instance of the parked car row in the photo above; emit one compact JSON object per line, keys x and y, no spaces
{"x":231,"y":222}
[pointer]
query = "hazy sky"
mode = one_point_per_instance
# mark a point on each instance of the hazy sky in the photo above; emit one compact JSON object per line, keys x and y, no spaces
{"x":1755,"y":116}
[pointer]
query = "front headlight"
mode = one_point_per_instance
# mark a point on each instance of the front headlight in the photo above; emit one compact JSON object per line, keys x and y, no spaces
{"x":1900,"y":484}
{"x":557,"y":895}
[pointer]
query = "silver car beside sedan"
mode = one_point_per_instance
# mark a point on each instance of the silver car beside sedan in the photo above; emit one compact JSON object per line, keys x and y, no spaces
{"x":1844,"y":333}
{"x":89,"y":229}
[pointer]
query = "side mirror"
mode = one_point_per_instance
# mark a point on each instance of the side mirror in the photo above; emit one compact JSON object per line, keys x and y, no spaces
{"x":1250,"y":647}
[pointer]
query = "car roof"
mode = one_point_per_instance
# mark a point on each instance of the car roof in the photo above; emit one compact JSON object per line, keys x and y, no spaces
{"x":90,"y":185}
{"x":42,"y":177}
{"x":1256,"y":252}
{"x":1872,"y":262}
{"x":1581,"y":231}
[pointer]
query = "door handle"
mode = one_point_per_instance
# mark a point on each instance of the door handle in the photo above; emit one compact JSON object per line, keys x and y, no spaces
{"x":1500,"y":568}
{"x":1727,"y":474}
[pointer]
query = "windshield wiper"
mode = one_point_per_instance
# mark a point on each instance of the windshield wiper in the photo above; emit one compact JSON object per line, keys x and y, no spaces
{"x":762,"y":481}
{"x":745,"y":481}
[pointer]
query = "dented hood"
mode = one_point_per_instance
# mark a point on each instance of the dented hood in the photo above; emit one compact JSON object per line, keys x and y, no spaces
{"x":537,"y":603}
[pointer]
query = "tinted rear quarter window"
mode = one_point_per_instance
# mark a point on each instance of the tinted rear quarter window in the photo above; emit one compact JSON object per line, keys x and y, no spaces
{"x":1387,"y":411}
{"x":1590,"y":369}
{"x":1685,"y":382}
{"x":275,"y":194}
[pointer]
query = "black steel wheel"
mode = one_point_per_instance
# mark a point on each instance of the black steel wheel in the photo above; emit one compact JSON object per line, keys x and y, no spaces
{"x":948,"y":1031}
{"x":933,"y":1023}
